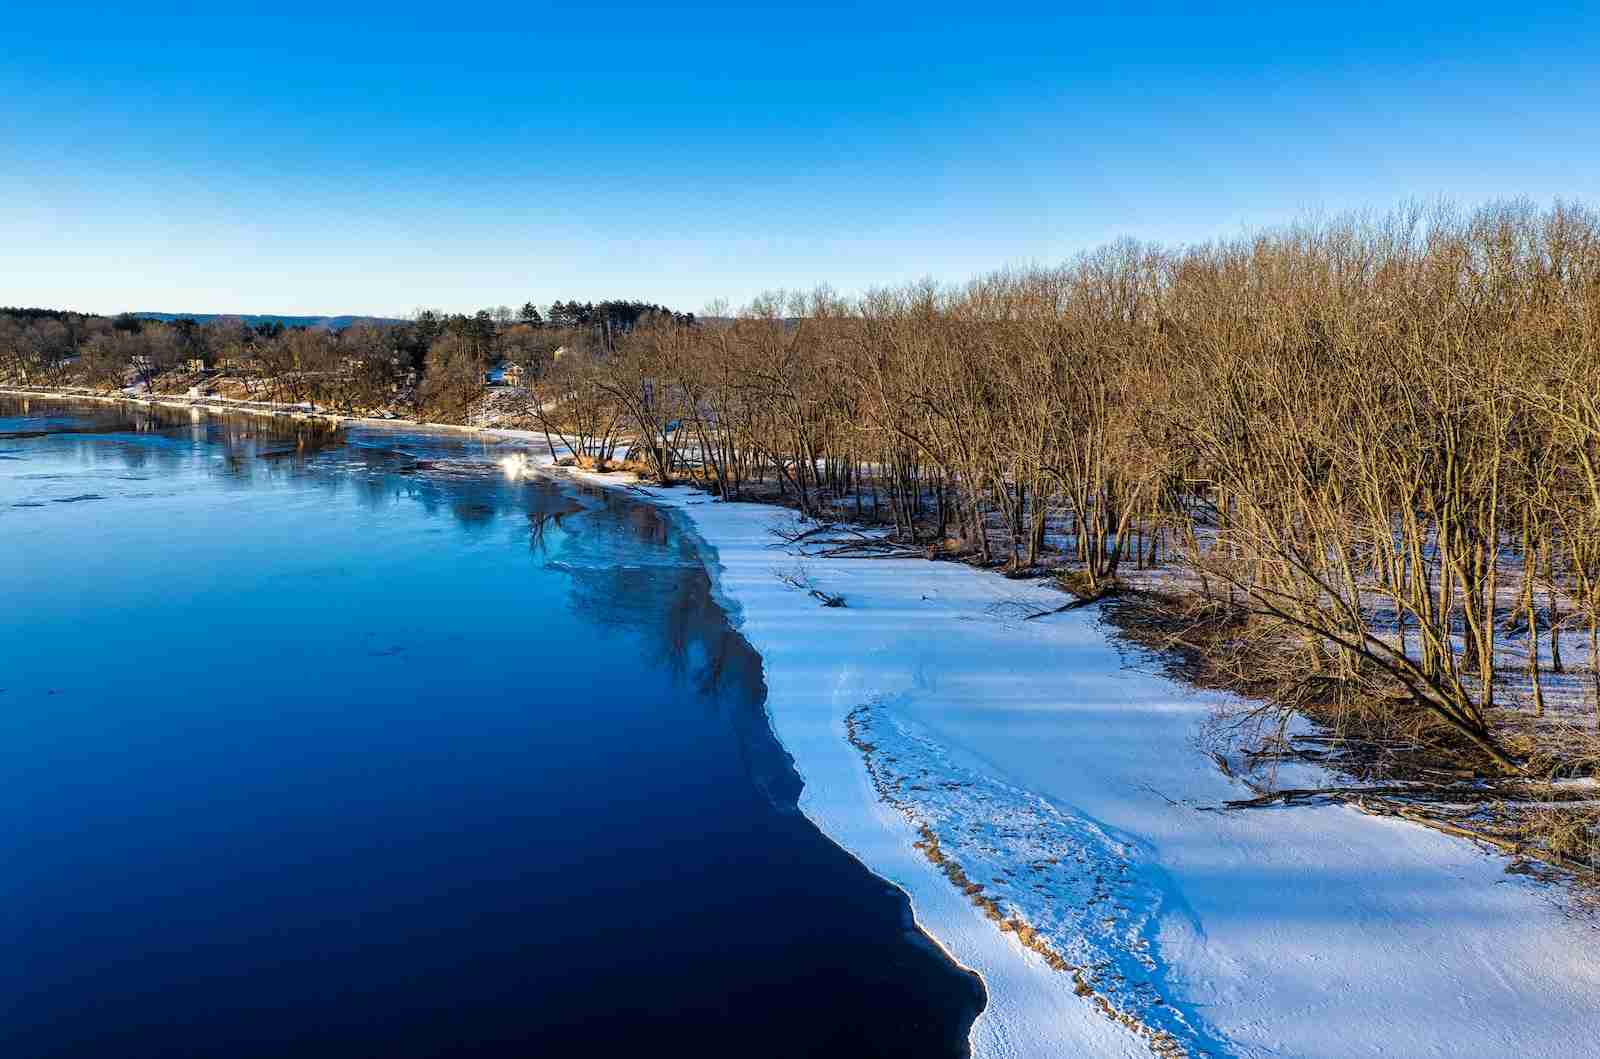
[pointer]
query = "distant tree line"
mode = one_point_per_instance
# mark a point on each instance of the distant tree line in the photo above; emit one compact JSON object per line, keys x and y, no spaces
{"x":432,"y":365}
{"x":31,"y":314}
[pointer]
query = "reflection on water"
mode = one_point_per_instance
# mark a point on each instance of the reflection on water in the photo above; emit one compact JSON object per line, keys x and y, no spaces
{"x":339,"y":742}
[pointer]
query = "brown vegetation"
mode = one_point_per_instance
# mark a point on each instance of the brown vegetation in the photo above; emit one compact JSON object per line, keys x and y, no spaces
{"x":1373,"y":445}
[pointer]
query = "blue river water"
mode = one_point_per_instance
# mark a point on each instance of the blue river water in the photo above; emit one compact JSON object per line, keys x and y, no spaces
{"x":337,"y":742}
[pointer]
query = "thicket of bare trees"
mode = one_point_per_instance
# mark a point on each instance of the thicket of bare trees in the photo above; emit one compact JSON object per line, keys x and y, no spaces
{"x":1370,"y":448}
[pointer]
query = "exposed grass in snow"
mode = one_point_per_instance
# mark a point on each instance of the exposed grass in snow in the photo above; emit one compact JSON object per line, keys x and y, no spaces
{"x":1083,"y":898}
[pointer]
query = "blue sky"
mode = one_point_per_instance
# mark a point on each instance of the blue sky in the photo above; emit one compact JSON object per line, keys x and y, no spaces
{"x":329,"y":158}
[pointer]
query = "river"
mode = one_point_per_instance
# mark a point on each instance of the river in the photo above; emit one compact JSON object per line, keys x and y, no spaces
{"x":337,"y":741}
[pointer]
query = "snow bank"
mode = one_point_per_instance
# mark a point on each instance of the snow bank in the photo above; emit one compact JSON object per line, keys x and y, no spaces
{"x":1063,"y":778}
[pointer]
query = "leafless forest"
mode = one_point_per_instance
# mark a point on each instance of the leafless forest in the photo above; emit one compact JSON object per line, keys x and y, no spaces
{"x":1351,"y":468}
{"x":1374,"y":444}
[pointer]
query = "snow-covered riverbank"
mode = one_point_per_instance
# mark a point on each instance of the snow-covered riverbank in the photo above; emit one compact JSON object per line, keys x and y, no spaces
{"x":1063,"y":778}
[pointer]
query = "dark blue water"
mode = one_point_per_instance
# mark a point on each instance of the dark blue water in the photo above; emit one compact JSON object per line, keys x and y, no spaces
{"x":341,"y":743}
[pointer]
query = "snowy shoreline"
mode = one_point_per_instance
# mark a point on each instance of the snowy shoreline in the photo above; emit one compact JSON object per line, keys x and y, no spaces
{"x":1031,"y":1008}
{"x":1062,"y":776}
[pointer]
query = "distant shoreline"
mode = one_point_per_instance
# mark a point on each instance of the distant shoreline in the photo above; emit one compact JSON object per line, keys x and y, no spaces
{"x":304,"y":410}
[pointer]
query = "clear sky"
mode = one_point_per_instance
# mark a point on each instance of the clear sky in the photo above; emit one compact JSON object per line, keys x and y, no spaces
{"x":338,"y":157}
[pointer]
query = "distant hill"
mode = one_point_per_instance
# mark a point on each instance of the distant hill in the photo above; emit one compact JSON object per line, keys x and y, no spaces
{"x":332,"y":323}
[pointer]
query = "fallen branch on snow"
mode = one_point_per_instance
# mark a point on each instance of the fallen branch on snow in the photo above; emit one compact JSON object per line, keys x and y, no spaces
{"x":843,"y":542}
{"x":1076,"y":604}
{"x":800,"y":578}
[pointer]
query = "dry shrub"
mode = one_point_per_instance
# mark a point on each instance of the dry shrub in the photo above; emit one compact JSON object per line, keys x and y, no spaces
{"x":1083,"y":586}
{"x":1571,"y":832}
